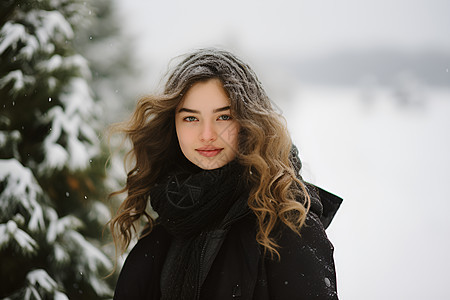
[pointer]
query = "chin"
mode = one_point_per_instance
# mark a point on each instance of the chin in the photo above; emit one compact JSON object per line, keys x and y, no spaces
{"x":212,"y":164}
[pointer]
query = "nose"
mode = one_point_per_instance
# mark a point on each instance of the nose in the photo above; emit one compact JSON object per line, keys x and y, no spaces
{"x":208,"y":132}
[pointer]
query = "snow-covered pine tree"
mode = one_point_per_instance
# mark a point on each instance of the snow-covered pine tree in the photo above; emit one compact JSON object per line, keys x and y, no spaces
{"x":51,"y":215}
{"x":110,"y":54}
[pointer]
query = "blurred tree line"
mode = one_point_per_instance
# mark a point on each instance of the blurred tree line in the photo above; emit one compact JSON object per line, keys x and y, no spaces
{"x":63,"y":69}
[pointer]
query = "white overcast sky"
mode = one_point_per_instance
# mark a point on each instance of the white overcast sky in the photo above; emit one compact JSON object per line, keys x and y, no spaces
{"x":287,"y":27}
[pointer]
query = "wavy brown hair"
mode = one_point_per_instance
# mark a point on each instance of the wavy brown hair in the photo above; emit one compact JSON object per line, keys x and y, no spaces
{"x":276,"y":193}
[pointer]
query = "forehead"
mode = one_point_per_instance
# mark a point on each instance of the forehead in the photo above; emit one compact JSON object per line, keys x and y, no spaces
{"x":205,"y":94}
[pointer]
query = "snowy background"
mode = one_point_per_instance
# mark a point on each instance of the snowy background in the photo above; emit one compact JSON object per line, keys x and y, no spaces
{"x":365,"y":87}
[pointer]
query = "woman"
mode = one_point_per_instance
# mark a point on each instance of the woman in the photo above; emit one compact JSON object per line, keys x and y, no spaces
{"x":235,"y":220}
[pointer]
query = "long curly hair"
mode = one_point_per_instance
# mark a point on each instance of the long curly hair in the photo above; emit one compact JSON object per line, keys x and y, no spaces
{"x":276,"y":192}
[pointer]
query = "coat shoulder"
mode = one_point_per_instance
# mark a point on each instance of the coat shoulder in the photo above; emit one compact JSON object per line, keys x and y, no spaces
{"x":306,"y":264}
{"x":140,"y":274}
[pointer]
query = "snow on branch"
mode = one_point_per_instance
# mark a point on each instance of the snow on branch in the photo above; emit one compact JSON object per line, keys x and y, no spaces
{"x":40,"y":277}
{"x":20,"y":189}
{"x":93,"y":259}
{"x":10,"y":233}
{"x":30,"y":48}
{"x":60,"y":254}
{"x":19,"y":80}
{"x":60,"y":296}
{"x":40,"y":285}
{"x":99,"y":212}
{"x":57,"y":63}
{"x":50,"y":25}
{"x":92,"y":256}
{"x":9,"y":139}
{"x":72,"y":124}
{"x":58,"y":227}
{"x":11,"y":34}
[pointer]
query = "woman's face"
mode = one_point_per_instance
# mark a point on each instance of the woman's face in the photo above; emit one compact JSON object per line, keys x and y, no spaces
{"x":207,"y":133}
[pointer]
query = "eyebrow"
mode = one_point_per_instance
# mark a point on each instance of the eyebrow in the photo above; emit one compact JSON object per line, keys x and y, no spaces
{"x":193,"y":111}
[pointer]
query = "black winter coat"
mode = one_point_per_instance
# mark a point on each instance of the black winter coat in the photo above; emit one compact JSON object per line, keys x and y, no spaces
{"x":235,"y":267}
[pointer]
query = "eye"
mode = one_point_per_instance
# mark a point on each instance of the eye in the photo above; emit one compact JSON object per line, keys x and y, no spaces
{"x":190,"y":119}
{"x":225,"y":117}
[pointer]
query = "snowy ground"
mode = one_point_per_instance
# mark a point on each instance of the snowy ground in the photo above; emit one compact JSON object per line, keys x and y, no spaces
{"x":390,"y":163}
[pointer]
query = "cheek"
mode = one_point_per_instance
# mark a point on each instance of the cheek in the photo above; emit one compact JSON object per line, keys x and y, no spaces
{"x":233,"y":134}
{"x":184,"y":135}
{"x":180,"y":133}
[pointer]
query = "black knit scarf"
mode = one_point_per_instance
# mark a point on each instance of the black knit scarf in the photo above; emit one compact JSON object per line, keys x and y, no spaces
{"x":190,"y":203}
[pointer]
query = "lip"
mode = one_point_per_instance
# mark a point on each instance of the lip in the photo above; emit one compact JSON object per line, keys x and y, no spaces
{"x":209,"y":151}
